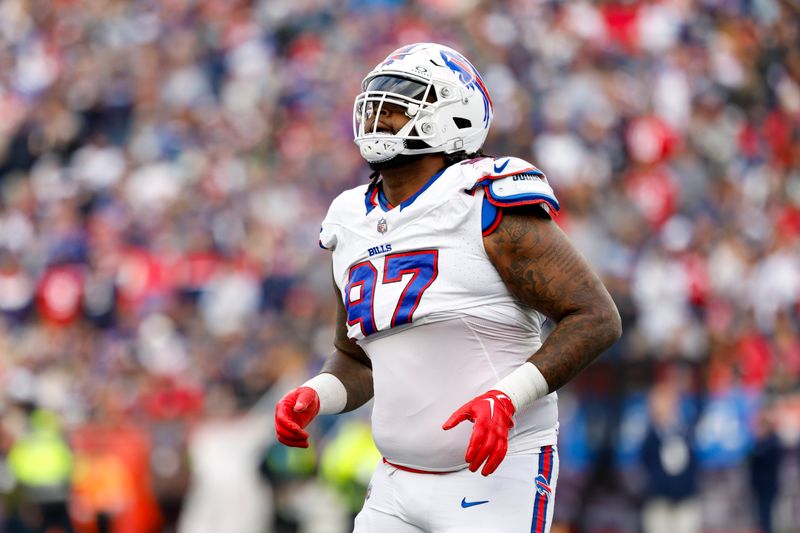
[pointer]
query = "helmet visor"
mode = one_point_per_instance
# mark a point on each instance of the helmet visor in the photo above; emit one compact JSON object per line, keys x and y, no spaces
{"x":396,"y":85}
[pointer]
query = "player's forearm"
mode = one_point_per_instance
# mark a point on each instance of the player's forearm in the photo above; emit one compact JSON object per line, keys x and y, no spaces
{"x":354,"y":375}
{"x":344,"y":384}
{"x":348,"y":362}
{"x":577,"y":340}
{"x":543,"y":270}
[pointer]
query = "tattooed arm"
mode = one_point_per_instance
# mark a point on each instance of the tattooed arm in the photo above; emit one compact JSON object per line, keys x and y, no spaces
{"x":349,"y":363}
{"x":543,"y":270}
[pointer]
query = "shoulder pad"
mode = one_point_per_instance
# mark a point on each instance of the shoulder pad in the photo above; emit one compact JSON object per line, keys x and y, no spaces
{"x":522,"y":189}
{"x":499,"y":167}
{"x":510,"y":181}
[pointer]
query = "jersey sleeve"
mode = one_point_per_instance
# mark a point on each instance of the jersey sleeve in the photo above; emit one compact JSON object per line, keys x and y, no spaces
{"x":328,"y":231}
{"x":327,"y":239}
{"x":511,"y":182}
{"x":345,"y":208}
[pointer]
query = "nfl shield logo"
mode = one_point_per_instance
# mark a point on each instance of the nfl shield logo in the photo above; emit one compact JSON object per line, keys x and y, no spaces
{"x":382,"y":226}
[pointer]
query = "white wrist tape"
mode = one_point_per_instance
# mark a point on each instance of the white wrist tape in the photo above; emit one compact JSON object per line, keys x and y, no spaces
{"x":331,"y":392}
{"x":524,"y":386}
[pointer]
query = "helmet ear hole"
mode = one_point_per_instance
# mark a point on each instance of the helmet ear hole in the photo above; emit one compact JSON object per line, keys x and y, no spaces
{"x":462,"y":123}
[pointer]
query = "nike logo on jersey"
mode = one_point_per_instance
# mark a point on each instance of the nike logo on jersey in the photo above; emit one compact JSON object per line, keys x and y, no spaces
{"x":465,"y":503}
{"x":501,"y":168}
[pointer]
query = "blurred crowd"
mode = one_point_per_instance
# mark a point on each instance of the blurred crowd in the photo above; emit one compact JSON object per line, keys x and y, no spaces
{"x":165,"y":165}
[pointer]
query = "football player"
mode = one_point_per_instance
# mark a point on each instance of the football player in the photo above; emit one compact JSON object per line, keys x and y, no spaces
{"x":446,"y":265}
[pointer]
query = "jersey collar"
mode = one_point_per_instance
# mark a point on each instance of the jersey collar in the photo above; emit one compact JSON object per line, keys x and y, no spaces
{"x":375,"y":196}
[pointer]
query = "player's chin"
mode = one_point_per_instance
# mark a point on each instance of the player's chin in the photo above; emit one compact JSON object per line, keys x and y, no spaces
{"x":397,"y":161}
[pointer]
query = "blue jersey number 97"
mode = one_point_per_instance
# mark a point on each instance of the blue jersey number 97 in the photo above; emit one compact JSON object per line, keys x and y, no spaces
{"x":361,"y":286}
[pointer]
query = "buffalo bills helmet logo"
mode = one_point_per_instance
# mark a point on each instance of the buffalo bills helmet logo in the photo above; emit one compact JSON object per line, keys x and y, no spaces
{"x":470,"y":78}
{"x":398,"y":54}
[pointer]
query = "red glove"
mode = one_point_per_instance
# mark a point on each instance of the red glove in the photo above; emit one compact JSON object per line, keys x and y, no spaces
{"x":293,"y":413}
{"x":491,"y":413}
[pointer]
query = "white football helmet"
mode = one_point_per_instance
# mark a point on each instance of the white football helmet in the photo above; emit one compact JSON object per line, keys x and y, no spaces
{"x":443,"y":94}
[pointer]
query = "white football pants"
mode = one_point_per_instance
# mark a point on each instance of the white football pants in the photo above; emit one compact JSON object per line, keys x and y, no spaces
{"x":517,"y":497}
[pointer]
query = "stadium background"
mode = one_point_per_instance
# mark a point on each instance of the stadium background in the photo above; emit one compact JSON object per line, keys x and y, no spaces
{"x":165,"y":165}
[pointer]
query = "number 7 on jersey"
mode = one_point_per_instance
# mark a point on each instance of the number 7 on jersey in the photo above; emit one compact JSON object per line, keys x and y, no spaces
{"x":361,"y":287}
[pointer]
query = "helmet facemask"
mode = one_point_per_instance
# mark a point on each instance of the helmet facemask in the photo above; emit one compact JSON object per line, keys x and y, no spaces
{"x":420,"y":101}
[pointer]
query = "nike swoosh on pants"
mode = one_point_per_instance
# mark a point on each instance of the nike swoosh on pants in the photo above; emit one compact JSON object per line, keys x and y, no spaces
{"x":465,"y":504}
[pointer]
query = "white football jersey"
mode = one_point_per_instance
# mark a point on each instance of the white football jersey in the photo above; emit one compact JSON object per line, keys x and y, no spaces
{"x":430,"y":310}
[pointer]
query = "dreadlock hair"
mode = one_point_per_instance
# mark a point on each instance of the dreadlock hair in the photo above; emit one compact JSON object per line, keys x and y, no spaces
{"x":458,"y":157}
